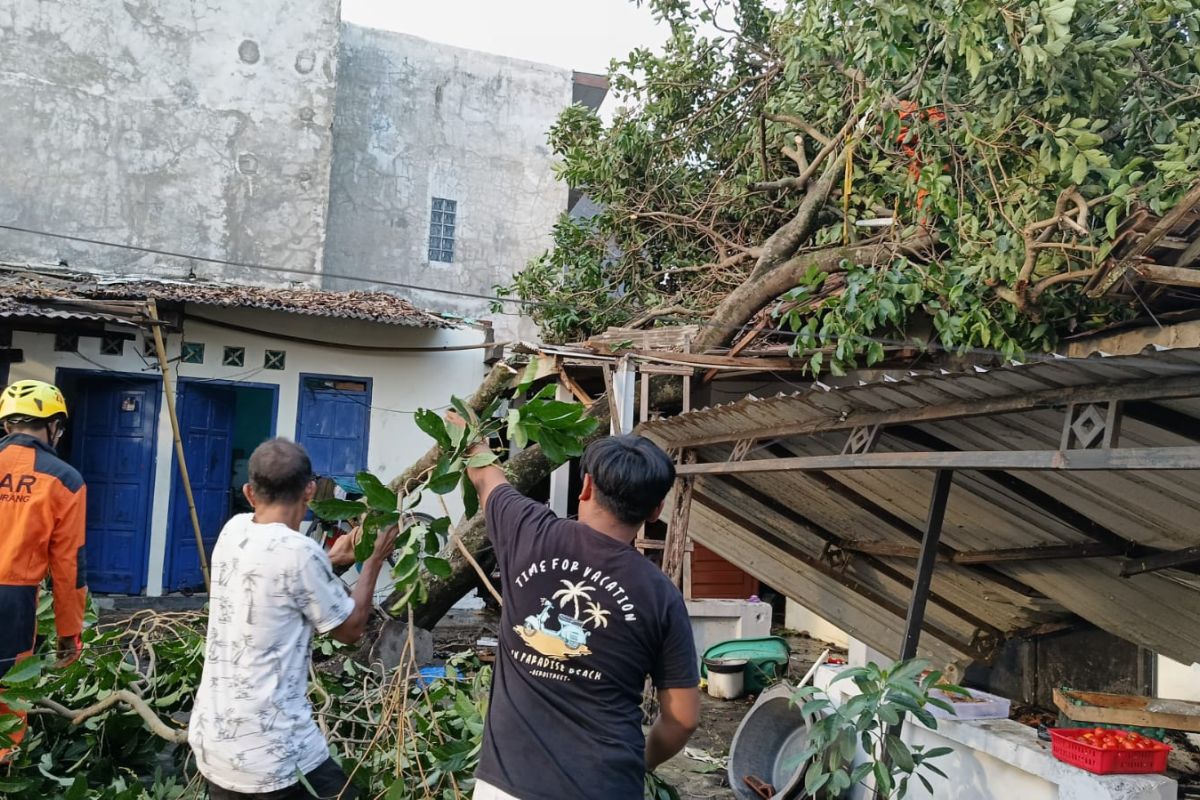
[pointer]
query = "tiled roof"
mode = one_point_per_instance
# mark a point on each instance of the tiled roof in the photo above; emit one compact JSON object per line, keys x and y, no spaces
{"x":24,"y":287}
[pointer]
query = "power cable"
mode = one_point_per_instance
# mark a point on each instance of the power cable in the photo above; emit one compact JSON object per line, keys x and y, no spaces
{"x":932,"y":346}
{"x":268,"y":268}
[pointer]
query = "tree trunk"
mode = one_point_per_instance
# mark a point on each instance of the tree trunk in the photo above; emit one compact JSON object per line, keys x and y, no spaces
{"x":525,"y":470}
{"x":745,"y":301}
{"x":494,"y":385}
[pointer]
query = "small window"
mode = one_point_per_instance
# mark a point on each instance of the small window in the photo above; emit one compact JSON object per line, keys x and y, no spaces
{"x":148,"y":348}
{"x":66,"y":342}
{"x":274,"y":359}
{"x":192,"y":353}
{"x":234,"y":357}
{"x":442,"y":220}
{"x":112,"y":344}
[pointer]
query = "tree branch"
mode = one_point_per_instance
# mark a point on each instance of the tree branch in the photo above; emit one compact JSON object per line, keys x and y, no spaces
{"x":742,"y":303}
{"x":783,"y":243}
{"x":796,"y":122}
{"x":153,"y":722}
{"x":496,"y":383}
{"x":801,"y":180}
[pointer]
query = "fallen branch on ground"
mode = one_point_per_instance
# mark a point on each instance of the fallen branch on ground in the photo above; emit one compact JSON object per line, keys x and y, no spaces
{"x":140,"y":706}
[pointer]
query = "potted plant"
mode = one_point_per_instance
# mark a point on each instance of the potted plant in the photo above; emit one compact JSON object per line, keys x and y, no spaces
{"x":859,"y":740}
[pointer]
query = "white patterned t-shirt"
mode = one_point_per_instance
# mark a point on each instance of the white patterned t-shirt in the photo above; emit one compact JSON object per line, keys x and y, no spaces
{"x":252,"y":727}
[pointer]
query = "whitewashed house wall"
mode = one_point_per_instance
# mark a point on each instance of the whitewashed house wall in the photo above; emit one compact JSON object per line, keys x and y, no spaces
{"x":401,"y":383}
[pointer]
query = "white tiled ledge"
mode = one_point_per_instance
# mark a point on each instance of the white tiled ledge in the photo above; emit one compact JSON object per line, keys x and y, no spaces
{"x":1000,"y":758}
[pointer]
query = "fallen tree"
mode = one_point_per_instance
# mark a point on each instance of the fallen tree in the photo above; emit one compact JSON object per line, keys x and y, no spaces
{"x":525,"y":470}
{"x":837,"y":138}
{"x":847,"y":175}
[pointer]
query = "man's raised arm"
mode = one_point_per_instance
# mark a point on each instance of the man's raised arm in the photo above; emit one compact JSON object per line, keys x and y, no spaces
{"x":485,"y":479}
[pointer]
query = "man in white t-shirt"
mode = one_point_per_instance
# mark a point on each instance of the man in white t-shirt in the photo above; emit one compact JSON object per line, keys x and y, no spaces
{"x":252,"y":728}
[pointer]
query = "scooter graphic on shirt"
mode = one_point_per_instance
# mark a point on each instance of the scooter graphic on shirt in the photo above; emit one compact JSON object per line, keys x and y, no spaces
{"x":569,"y":641}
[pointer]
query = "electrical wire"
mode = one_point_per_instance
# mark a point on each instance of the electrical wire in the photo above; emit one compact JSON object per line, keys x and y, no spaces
{"x":930,"y":346}
{"x":276,"y":269}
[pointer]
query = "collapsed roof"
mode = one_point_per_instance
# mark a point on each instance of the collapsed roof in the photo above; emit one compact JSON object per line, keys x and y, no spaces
{"x":1058,"y":509}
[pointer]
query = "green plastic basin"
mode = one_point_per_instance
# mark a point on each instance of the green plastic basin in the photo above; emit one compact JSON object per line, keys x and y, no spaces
{"x":766,"y":659}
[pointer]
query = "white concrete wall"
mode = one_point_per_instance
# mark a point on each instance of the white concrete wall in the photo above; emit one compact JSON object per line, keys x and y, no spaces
{"x":716,"y":621}
{"x":416,"y":120}
{"x":1177,"y":681}
{"x":402,"y":382}
{"x":193,"y":127}
{"x":1000,"y":760}
{"x":799,"y":618}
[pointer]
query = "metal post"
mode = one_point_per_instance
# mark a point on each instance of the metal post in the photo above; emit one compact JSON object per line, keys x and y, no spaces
{"x":156,"y":327}
{"x":623,"y":386}
{"x":560,"y":479}
{"x":925,"y":563}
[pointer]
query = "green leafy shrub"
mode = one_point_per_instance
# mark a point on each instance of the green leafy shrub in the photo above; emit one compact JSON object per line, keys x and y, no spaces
{"x":865,"y":722}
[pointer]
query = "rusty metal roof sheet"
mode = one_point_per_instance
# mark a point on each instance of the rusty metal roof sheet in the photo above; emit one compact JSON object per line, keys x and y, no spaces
{"x":12,"y":308}
{"x":30,"y":284}
{"x":785,"y":527}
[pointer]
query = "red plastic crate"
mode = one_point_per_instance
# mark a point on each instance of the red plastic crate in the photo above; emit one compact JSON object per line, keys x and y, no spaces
{"x":1066,"y":747}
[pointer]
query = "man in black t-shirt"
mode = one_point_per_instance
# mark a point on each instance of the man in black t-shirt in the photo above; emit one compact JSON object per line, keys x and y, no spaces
{"x":586,"y":618}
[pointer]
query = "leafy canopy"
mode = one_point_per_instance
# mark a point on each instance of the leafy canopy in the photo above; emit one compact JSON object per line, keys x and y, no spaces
{"x":967,"y":119}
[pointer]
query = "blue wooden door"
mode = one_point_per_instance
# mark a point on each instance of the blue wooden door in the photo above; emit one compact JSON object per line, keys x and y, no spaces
{"x":206,"y":417}
{"x":114,"y":426}
{"x":334,"y":423}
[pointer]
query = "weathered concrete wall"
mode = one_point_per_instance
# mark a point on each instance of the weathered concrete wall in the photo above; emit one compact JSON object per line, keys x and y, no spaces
{"x":417,"y":120}
{"x":402,"y":382}
{"x":184,"y":125}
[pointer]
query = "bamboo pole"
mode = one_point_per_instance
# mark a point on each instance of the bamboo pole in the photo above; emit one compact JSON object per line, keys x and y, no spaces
{"x":156,"y":326}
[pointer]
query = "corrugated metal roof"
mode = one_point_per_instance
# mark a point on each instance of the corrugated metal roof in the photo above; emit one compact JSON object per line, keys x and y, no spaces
{"x":23,"y":283}
{"x":768,"y":519}
{"x":11,"y":308}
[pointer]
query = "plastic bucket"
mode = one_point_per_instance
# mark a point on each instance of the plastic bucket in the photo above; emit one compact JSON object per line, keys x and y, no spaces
{"x":726,"y":677}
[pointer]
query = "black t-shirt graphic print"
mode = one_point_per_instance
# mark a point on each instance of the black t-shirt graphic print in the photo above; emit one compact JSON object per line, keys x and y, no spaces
{"x":585,"y":619}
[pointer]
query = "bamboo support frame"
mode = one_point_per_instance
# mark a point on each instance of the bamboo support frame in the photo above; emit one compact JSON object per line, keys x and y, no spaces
{"x":168,"y":390}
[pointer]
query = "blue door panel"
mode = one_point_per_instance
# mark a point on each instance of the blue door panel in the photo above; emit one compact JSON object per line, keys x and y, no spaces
{"x":113,"y":442}
{"x":334,"y":424}
{"x":206,"y":421}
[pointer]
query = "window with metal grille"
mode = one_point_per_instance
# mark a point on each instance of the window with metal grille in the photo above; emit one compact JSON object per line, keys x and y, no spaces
{"x":66,"y":342}
{"x":234,"y":357}
{"x":274,"y":359}
{"x":112,"y":344}
{"x":148,"y":348}
{"x":442,"y":220}
{"x":192,"y":353}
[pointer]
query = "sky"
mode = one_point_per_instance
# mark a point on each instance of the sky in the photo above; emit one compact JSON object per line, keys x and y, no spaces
{"x":578,"y":34}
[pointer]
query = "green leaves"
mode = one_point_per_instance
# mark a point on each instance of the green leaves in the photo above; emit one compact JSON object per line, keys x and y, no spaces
{"x":859,"y":730}
{"x":378,"y":496}
{"x":433,"y":424}
{"x":24,"y":672}
{"x":559,"y":427}
{"x":659,"y":789}
{"x":1048,"y":95}
{"x":336,"y":510}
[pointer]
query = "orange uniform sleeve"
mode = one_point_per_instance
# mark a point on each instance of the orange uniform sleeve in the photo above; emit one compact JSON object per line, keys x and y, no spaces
{"x":68,"y":567}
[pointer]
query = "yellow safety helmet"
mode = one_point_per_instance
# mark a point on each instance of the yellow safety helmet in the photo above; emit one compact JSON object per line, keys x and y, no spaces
{"x":32,"y":399}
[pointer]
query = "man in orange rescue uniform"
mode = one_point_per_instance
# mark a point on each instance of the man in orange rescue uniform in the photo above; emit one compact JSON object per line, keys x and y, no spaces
{"x":42,"y":502}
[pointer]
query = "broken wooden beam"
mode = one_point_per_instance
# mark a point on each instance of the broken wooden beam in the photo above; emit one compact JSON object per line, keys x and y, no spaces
{"x":1037,"y":553}
{"x":1130,"y":458}
{"x":1170,"y":276}
{"x":1175,"y":558}
{"x":997,"y":556}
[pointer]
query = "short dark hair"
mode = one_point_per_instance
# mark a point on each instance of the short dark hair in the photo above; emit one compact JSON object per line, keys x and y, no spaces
{"x":631,"y":476}
{"x":19,"y":424}
{"x":279,"y":471}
